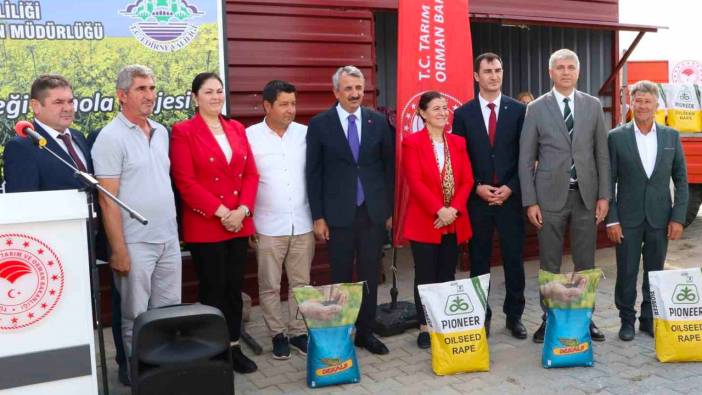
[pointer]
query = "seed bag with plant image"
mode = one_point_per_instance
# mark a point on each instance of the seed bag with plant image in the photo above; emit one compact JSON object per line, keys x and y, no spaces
{"x":330,"y":312}
{"x":677,"y":314}
{"x":684,"y":112}
{"x":570,"y":299}
{"x":455,"y":312}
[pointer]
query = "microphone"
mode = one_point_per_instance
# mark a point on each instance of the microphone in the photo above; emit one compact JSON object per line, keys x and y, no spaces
{"x":26,"y":129}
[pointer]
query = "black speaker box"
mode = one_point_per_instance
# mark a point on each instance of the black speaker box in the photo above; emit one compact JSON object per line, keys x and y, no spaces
{"x":181,"y":350}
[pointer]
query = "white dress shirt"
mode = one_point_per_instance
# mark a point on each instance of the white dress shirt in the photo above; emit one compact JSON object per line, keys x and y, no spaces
{"x":55,"y":135}
{"x":282,"y":208}
{"x":486,"y":110}
{"x":647,"y":145}
{"x":561,"y":105}
{"x":344,"y":118}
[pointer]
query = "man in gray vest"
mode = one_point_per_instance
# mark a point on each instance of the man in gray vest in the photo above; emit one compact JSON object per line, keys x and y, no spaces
{"x":644,"y":157}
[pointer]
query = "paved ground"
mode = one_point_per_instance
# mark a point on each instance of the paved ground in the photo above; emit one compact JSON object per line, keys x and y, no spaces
{"x":515,"y":365}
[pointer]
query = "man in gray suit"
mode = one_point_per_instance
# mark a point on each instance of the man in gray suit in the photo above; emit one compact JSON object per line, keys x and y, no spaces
{"x":564,"y":170}
{"x":644,"y":157}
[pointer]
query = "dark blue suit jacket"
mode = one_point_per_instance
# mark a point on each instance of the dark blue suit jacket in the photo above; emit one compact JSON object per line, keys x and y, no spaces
{"x":501,"y":159}
{"x":30,"y":169}
{"x":332,"y":172}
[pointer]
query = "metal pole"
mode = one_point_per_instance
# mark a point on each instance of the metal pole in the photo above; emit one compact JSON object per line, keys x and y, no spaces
{"x":95,"y":287}
{"x":393,"y":290}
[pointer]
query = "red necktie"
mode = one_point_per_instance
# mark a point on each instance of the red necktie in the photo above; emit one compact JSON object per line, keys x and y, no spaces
{"x":492,"y":123}
{"x":66,"y":138}
{"x":492,"y":127}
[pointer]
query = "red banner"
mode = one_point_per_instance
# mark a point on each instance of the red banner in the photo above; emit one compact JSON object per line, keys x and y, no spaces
{"x":434,"y":53}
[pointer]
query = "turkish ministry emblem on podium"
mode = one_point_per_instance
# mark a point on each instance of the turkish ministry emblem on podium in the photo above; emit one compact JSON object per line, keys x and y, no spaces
{"x":46,"y":327}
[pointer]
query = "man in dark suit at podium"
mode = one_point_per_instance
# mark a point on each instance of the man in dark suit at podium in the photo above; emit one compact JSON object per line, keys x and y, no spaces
{"x":30,"y":169}
{"x":350,"y":173}
{"x":491,"y":124}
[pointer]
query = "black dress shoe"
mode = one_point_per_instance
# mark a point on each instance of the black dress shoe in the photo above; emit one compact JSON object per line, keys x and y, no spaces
{"x":595,"y":333}
{"x":372,"y":344}
{"x":123,"y":375}
{"x":627,"y":332}
{"x":516,"y":328}
{"x":423,"y":340}
{"x":241,"y":363}
{"x":487,"y":326}
{"x":646,"y":326}
{"x":539,"y":334}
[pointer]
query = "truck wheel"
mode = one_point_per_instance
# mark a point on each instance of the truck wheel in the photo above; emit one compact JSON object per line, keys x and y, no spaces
{"x":693,"y":206}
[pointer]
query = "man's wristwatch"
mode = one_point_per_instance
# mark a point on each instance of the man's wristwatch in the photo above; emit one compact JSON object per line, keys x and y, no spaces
{"x":247,"y":212}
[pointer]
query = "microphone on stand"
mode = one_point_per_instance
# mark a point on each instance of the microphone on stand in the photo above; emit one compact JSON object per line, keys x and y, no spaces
{"x":25,"y":129}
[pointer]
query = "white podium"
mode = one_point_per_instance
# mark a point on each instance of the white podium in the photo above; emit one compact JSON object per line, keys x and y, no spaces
{"x":46,"y":329}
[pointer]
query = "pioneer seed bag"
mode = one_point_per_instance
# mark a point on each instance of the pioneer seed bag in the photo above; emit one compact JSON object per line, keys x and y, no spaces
{"x":684,"y":113}
{"x":677,"y":314}
{"x":570,"y":299}
{"x":330,"y":312}
{"x":455,"y":313}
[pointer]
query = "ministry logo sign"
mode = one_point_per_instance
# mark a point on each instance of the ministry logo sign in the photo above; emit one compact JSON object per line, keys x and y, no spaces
{"x":412,"y":122}
{"x":31,"y":281}
{"x":162,"y":25}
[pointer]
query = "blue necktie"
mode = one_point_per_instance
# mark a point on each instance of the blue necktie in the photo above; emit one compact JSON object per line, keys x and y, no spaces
{"x":352,"y":135}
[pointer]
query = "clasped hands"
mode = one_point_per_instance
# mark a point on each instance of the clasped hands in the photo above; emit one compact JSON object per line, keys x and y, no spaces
{"x":232,"y":220}
{"x":494,"y":196}
{"x":445,"y":216}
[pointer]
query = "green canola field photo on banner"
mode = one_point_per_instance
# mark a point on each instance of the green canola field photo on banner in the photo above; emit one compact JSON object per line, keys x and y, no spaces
{"x":89,"y":41}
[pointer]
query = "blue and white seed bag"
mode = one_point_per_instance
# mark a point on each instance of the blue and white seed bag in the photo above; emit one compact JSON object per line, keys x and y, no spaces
{"x":330,"y":312}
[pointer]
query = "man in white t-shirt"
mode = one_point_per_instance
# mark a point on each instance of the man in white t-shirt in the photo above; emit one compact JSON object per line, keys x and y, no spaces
{"x":283,"y":219}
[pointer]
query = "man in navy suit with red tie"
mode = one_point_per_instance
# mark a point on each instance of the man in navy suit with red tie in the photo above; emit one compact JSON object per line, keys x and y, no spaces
{"x":29,"y":169}
{"x":491,"y":124}
{"x":350,"y":173}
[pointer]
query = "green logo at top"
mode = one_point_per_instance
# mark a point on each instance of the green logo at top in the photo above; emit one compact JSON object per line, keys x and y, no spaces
{"x":163,"y":10}
{"x":163,"y":25}
{"x":458,"y":304}
{"x":686,"y":294}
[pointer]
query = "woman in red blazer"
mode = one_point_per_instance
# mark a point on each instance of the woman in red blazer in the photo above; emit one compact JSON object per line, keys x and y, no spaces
{"x":215,"y":173}
{"x":440,"y":178}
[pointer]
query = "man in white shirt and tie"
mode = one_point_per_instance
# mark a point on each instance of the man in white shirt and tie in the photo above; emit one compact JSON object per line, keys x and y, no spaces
{"x":350,"y":173}
{"x":283,"y":219}
{"x":644,"y":157}
{"x":564,"y":132}
{"x":491,"y":124}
